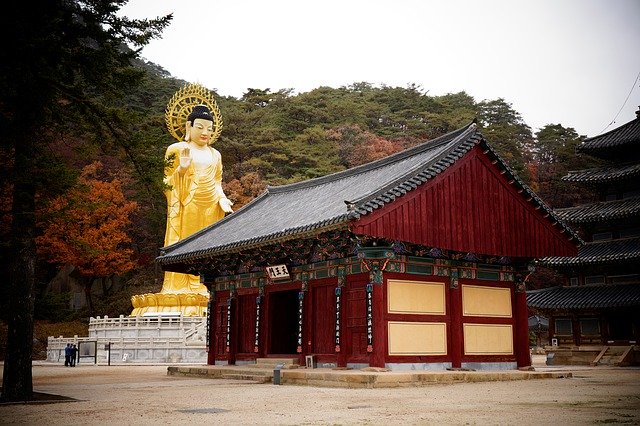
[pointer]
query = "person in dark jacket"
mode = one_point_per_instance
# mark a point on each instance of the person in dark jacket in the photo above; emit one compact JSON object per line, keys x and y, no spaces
{"x":74,"y":353}
{"x":67,"y":355}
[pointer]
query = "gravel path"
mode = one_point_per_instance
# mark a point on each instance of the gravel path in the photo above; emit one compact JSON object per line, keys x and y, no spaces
{"x":145,"y":395}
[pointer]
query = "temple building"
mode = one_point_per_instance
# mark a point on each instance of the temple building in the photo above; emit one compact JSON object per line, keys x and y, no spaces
{"x":600,"y":301}
{"x":415,"y":261}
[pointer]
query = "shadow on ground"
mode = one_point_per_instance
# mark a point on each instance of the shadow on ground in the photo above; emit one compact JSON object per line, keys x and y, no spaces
{"x":39,"y":398}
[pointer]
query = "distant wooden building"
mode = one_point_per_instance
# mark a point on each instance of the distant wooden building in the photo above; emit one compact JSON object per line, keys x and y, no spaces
{"x":416,"y":261}
{"x":600,"y":303}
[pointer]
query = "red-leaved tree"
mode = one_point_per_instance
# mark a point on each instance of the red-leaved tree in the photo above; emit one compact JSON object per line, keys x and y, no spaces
{"x":87,"y":228}
{"x":242,"y":191}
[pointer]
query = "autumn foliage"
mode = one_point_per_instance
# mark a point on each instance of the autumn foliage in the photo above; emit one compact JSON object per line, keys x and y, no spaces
{"x":87,"y":228}
{"x":242,"y":191}
{"x":357,"y":146}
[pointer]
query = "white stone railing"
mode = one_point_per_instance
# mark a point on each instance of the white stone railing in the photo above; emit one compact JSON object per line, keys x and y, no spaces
{"x":147,"y":339}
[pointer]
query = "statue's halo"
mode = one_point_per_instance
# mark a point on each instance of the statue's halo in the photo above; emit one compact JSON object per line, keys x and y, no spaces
{"x":181,"y":104}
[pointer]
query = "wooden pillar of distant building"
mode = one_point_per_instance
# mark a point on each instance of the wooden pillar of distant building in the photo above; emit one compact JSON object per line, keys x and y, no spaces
{"x":456,"y":344}
{"x":521,"y":343}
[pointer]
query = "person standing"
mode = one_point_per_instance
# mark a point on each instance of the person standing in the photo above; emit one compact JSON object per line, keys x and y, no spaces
{"x":74,"y":353}
{"x":67,"y":355}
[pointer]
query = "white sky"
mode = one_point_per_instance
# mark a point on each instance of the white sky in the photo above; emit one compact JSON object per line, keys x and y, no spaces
{"x":572,"y":62}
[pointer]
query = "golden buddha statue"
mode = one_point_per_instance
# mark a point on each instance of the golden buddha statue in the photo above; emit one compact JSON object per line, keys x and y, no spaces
{"x":195,"y":199}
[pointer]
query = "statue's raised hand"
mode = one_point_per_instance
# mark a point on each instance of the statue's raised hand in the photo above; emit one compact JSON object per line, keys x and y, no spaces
{"x":225,"y":205}
{"x":185,"y":158}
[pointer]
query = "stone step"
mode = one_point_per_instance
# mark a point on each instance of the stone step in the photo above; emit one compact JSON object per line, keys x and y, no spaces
{"x":365,"y":379}
{"x":616,"y":350}
{"x":257,"y":378}
{"x":271,"y":363}
{"x":249,"y":371}
{"x":608,"y":359}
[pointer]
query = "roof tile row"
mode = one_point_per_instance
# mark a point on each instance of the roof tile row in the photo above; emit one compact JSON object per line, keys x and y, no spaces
{"x":600,"y":252}
{"x":604,"y":174}
{"x":598,"y":212}
{"x":585,"y":297}
{"x":623,"y":135}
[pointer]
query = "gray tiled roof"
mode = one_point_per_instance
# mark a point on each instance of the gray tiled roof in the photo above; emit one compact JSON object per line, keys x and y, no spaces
{"x":584,"y":297}
{"x":626,"y":134}
{"x":600,"y":252}
{"x":330,"y":202}
{"x":604,"y":174}
{"x":598,"y":212}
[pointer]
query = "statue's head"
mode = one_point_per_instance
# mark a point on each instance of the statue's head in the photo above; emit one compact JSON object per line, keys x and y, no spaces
{"x":199,"y":127}
{"x":200,"y":111}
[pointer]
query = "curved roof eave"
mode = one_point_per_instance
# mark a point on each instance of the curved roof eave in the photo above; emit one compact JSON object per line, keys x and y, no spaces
{"x":284,"y":235}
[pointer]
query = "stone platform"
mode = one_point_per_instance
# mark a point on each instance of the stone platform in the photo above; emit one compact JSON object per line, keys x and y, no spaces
{"x":291,"y":374}
{"x":150,"y":339}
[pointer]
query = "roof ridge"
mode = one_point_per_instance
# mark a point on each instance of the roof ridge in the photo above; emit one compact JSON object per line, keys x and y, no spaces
{"x":426,"y":145}
{"x":609,"y":132}
{"x":411,"y":173}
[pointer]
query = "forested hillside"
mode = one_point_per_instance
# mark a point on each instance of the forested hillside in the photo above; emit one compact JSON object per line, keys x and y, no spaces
{"x":268,"y":138}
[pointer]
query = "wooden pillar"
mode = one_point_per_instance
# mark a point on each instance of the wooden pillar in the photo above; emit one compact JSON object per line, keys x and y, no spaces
{"x":340,"y":329}
{"x":575,"y":329}
{"x":304,"y":319}
{"x":257,"y":339}
{"x":374,"y":260}
{"x":379,"y":348}
{"x":521,"y":344}
{"x":232,"y":329}
{"x":457,"y":345}
{"x":211,"y":332}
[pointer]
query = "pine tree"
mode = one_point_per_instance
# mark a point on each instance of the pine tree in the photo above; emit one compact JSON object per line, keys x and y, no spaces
{"x":67,"y":64}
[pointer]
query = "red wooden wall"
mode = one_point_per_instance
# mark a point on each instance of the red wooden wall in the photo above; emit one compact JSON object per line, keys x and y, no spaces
{"x":246,"y":322}
{"x":354,"y":316}
{"x":471,"y":207}
{"x":323,"y":316}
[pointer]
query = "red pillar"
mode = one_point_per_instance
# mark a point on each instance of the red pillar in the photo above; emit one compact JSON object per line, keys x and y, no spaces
{"x":307,"y":336}
{"x":457,"y":344}
{"x":377,"y":358}
{"x":211,"y":350}
{"x":233,"y":330}
{"x":523,"y":357}
{"x":341,"y":347}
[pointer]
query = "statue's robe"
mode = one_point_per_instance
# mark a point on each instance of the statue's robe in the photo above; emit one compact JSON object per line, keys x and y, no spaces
{"x":192,"y":204}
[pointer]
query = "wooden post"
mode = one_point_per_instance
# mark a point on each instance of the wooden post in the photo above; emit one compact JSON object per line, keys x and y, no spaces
{"x":456,"y":345}
{"x":211,"y":327}
{"x":379,"y":344}
{"x":523,"y":357}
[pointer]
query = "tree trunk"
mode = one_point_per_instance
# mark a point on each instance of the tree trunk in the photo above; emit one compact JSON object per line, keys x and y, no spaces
{"x":88,"y":283}
{"x":17,"y":378}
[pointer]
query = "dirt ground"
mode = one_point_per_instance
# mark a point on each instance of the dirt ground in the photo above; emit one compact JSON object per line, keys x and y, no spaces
{"x":145,"y":395}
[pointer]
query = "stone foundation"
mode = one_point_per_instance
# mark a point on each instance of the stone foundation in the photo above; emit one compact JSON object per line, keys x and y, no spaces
{"x":171,"y":338}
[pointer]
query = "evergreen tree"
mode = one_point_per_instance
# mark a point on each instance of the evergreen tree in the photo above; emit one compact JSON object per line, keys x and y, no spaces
{"x":67,"y":65}
{"x":507,"y":132}
{"x":553,"y":157}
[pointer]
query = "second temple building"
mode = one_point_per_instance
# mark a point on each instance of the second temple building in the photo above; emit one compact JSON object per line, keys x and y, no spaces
{"x":418,"y":260}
